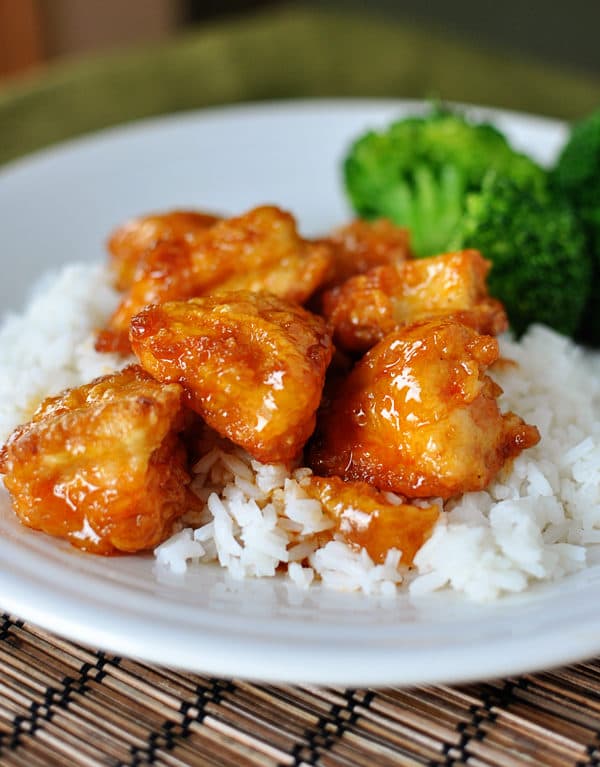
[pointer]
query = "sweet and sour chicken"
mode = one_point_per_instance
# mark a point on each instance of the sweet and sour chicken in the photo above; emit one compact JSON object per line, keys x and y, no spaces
{"x":367,"y":307}
{"x":361,"y":245}
{"x":418,"y":415}
{"x":366,"y":518}
{"x":103,"y":465}
{"x":260,"y":250}
{"x":129,"y":243}
{"x":212,"y":309}
{"x":251,"y":364}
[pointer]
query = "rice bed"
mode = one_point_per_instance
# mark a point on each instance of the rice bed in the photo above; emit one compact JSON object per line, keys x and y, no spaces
{"x":534,"y":523}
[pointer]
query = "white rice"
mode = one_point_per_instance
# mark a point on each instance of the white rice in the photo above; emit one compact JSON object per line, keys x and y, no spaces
{"x":534,"y":523}
{"x":254,"y":527}
{"x":50,"y":346}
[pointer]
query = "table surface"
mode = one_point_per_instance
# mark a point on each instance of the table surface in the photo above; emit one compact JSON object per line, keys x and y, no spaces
{"x":61,"y":703}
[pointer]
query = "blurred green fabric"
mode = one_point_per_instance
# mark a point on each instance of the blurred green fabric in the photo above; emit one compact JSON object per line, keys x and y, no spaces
{"x":290,"y":52}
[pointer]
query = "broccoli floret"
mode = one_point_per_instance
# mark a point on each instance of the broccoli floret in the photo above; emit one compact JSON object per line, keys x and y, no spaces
{"x":419,"y":171}
{"x":540,"y":269}
{"x":577,"y":175}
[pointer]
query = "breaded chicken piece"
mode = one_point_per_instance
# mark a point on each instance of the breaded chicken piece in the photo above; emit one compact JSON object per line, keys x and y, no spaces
{"x":418,"y":416}
{"x":366,"y":518}
{"x":367,"y":307}
{"x":260,"y":250}
{"x":102,"y":465}
{"x":252,"y":365}
{"x":129,"y":242}
{"x":361,"y":245}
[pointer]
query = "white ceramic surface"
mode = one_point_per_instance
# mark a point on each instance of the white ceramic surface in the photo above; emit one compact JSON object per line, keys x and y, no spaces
{"x":58,"y":206}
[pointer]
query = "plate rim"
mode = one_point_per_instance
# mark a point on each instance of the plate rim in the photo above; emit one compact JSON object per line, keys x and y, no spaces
{"x":446,"y":667}
{"x":248,"y":107}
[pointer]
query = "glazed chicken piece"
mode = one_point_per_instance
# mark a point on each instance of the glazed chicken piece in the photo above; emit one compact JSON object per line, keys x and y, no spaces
{"x":260,"y":250}
{"x":418,"y":416}
{"x":129,"y":243}
{"x":252,"y":365}
{"x":102,"y":465}
{"x":367,"y":518}
{"x":367,"y":307}
{"x":361,"y":245}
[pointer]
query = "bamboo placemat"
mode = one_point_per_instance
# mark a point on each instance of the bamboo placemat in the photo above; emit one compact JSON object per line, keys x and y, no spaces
{"x":63,"y":704}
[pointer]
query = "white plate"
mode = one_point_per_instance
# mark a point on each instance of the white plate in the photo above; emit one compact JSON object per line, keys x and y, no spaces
{"x":58,"y":206}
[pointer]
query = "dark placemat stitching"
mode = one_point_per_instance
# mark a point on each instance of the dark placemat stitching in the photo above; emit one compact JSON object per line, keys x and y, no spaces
{"x":398,"y":733}
{"x":507,"y":717}
{"x":97,"y":675}
{"x":269,"y":708}
{"x":174,"y":683}
{"x":472,"y":729}
{"x":551,"y":701}
{"x":23,"y":724}
{"x":38,"y":713}
{"x":29,"y":723}
{"x":329,"y":728}
{"x":170,"y":733}
{"x":87,"y":673}
{"x":53,"y":697}
{"x":43,"y":649}
{"x":437,"y":716}
{"x":7,"y":624}
{"x":421,"y":722}
{"x":592,"y":761}
{"x":273,"y":718}
{"x":340,"y":719}
{"x":317,"y":739}
{"x":592,"y":751}
{"x":364,"y":740}
{"x":594,"y":758}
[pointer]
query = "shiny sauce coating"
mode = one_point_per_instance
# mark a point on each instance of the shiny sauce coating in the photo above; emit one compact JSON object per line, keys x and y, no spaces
{"x":418,"y":415}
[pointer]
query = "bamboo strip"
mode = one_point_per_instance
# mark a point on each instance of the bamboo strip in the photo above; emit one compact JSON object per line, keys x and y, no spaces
{"x":64,"y":704}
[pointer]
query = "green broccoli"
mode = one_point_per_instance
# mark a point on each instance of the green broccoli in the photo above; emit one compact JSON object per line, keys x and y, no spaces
{"x":540,"y":270}
{"x":577,"y":175}
{"x":419,"y":171}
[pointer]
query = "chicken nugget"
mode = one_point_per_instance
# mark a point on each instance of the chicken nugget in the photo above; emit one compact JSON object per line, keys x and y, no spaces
{"x":367,"y":518}
{"x":418,"y":415}
{"x":260,"y":250}
{"x":367,"y":307}
{"x":102,"y":465}
{"x":129,"y":243}
{"x":251,"y":364}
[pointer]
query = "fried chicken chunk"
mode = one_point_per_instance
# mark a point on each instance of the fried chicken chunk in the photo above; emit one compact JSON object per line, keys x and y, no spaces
{"x":128,"y":243}
{"x":260,"y":250}
{"x":361,"y":245}
{"x":252,"y":365}
{"x":367,"y":307}
{"x":102,"y":465}
{"x":366,"y":518}
{"x":418,"y":415}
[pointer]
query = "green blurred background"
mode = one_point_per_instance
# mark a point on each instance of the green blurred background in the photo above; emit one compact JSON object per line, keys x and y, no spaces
{"x":98,"y":63}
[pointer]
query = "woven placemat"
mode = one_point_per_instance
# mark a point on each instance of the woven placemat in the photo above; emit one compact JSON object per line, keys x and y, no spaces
{"x":63,"y":704}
